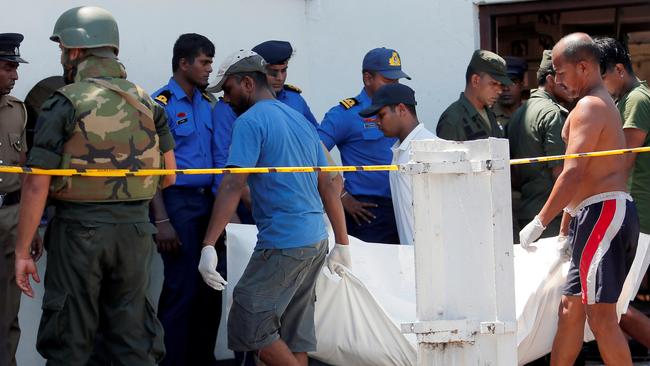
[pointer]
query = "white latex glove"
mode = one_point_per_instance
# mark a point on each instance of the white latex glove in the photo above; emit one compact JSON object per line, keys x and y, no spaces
{"x":208,"y":268}
{"x":338,"y":258}
{"x":531,"y":232}
{"x":564,"y":248}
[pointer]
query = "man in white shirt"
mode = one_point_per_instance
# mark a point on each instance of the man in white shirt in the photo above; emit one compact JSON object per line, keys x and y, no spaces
{"x":394,"y":106}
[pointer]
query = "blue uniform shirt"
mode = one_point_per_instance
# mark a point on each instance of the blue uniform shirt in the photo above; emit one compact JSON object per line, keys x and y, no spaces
{"x":190,"y":122}
{"x":290,"y":96}
{"x":361,"y":143}
{"x":287,"y":207}
{"x":223,"y":118}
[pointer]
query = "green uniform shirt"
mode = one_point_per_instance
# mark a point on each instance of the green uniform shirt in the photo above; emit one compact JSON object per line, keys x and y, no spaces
{"x":502,"y":118}
{"x":462,"y":122}
{"x":635,"y":112}
{"x":55,"y":125}
{"x":535,"y":129}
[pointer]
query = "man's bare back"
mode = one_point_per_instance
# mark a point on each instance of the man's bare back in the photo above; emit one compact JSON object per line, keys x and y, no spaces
{"x":595,"y":125}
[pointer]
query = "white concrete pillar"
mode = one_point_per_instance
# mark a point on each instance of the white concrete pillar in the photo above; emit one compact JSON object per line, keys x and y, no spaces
{"x":463,"y":253}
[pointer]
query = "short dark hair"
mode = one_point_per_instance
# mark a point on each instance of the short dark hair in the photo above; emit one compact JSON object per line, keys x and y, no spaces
{"x":543,"y":72}
{"x":582,"y":49}
{"x":189,"y":46}
{"x":469,"y":73}
{"x":410,"y":107}
{"x":613,"y":52}
{"x":258,"y":77}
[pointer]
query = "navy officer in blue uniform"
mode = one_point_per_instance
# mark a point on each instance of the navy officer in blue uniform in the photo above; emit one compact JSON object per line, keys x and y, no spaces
{"x":277,"y":55}
{"x":366,"y":197}
{"x":188,"y":309}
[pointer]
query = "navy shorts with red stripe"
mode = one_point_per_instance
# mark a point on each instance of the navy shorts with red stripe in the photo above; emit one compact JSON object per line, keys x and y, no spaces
{"x":604,"y":236}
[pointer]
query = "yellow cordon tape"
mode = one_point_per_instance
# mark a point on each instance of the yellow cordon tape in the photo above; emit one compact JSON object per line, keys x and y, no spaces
{"x":543,"y":159}
{"x":366,"y":168}
{"x":148,"y":172}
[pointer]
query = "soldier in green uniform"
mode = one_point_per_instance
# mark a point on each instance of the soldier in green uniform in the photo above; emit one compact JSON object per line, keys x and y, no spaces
{"x":470,"y":117}
{"x":536,"y":130}
{"x":512,"y":96}
{"x":632,"y":98}
{"x":13,"y":118}
{"x":99,"y":242}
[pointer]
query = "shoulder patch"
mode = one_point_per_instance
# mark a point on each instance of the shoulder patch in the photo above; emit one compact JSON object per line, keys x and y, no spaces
{"x":208,"y":96}
{"x":349,"y":103}
{"x":163,"y":97}
{"x":292,"y":88}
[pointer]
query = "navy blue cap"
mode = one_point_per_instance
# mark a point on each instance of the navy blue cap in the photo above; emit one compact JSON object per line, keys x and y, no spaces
{"x":389,"y":94}
{"x":385,"y":61}
{"x":516,"y":67}
{"x":274,"y":52}
{"x":9,"y":47}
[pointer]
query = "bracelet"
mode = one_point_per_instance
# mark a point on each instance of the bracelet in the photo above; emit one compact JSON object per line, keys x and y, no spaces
{"x":345,"y":193}
{"x":161,"y":221}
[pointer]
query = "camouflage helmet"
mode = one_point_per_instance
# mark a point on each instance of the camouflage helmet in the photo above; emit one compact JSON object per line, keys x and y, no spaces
{"x":86,"y":27}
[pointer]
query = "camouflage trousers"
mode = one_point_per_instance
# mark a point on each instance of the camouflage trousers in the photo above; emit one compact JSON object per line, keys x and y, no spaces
{"x":9,"y":292}
{"x":96,"y":282}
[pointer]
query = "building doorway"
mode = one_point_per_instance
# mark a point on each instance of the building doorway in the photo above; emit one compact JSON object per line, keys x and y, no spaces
{"x":526,"y":28}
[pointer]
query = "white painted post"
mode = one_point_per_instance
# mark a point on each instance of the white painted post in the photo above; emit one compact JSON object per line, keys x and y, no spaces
{"x":463,"y":253}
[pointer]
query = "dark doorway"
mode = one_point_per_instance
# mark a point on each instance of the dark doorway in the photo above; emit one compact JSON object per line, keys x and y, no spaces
{"x":524,"y":29}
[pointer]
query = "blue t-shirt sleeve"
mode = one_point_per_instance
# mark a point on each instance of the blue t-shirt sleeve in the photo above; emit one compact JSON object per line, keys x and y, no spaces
{"x":322,"y":159}
{"x":331,"y":130}
{"x":247,"y":139}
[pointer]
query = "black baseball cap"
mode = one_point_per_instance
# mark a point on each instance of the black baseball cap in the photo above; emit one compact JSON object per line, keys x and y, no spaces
{"x":389,"y":94}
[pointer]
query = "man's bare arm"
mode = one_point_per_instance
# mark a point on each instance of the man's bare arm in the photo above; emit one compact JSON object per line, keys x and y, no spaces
{"x":330,"y":191}
{"x":584,"y":130}
{"x":34,"y":196}
{"x":225,"y":204}
{"x":634,"y":137}
{"x":32,"y":203}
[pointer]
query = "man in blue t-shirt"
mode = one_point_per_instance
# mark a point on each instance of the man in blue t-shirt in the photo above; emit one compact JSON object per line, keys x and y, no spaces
{"x":273,"y":303}
{"x":277,"y":55}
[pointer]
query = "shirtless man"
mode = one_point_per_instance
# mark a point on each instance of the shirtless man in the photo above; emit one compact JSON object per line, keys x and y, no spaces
{"x":605,"y":231}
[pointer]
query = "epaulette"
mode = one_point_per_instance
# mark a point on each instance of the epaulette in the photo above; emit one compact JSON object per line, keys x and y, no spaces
{"x":14,"y":99}
{"x":208,"y":96}
{"x":163,"y":97}
{"x":292,"y":88}
{"x":349,"y":103}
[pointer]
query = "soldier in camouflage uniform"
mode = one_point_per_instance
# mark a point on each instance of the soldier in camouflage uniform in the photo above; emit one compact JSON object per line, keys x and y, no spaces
{"x":100,"y":240}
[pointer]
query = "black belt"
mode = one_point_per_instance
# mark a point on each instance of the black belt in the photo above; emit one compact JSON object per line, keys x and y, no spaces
{"x":8,"y":199}
{"x":186,"y":189}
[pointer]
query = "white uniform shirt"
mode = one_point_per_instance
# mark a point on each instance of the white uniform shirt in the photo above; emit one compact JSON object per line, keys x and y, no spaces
{"x":401,"y":184}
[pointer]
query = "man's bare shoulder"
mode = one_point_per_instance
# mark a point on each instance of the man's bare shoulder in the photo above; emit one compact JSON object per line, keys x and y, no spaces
{"x":594,"y":110}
